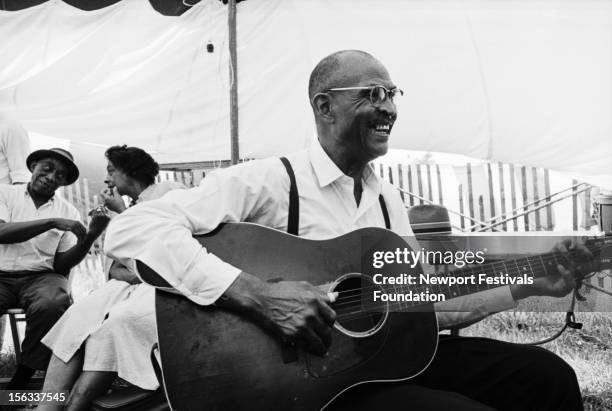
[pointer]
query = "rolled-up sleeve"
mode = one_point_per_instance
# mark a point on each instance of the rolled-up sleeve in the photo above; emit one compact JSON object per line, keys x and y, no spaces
{"x":5,"y":214}
{"x":159,"y":233}
{"x":17,"y":150}
{"x":68,"y":239}
{"x":472,"y":307}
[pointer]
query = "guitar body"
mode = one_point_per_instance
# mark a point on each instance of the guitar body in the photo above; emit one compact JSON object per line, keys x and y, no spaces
{"x":214,"y":359}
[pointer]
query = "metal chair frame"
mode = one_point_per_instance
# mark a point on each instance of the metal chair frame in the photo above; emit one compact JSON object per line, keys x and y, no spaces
{"x":15,"y":316}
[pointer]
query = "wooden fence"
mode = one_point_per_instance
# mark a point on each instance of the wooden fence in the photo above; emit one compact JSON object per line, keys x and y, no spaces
{"x":492,"y":196}
{"x":89,"y":274}
{"x":482,"y":197}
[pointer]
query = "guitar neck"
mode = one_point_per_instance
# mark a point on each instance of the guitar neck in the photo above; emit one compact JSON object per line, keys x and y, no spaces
{"x":482,"y":277}
{"x":500,"y":273}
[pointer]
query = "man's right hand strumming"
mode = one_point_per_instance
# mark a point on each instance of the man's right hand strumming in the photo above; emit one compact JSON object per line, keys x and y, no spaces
{"x":298,"y":312}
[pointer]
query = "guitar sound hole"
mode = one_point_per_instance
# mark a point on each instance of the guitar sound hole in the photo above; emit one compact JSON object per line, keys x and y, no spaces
{"x":355,"y":315}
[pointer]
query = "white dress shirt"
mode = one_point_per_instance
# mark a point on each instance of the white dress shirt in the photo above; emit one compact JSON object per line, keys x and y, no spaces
{"x":158,"y":190}
{"x":112,"y":269}
{"x":14,"y":149}
{"x":257,"y":192}
{"x":38,"y":253}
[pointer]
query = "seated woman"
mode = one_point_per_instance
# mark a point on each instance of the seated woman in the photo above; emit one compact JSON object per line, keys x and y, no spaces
{"x":89,"y":350}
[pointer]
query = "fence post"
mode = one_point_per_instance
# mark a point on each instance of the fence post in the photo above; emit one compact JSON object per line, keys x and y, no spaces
{"x":400,"y":175}
{"x":68,"y":192}
{"x":78,"y":201}
{"x":586,"y":220}
{"x":574,"y":206}
{"x":440,"y":197}
{"x":513,"y":197}
{"x":536,"y":198}
{"x":410,"y":184}
{"x":86,"y":198}
{"x":481,"y":208}
{"x":461,"y":208}
{"x":502,"y":194}
{"x":491,"y":193}
{"x":549,"y":222}
{"x":420,"y":182}
{"x":470,"y":193}
{"x":525,"y":198}
{"x":429,"y":185}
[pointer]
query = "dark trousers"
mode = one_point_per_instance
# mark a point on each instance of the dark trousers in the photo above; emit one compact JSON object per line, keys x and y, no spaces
{"x":476,"y":374}
{"x":44,"y":297}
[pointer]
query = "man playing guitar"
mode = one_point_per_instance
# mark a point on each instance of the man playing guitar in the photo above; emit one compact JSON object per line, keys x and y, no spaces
{"x":352,"y":96}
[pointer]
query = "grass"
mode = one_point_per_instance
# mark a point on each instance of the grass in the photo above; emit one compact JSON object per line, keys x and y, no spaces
{"x":7,"y":362}
{"x":588,"y":351}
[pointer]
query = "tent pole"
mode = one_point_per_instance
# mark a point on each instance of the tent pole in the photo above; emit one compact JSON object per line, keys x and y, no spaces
{"x":233,"y":72}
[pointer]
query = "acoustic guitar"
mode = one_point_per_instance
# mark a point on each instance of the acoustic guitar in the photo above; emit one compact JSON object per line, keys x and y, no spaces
{"x":214,"y":359}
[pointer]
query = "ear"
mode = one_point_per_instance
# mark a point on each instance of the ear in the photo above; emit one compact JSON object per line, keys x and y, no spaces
{"x":31,"y":166}
{"x":322,"y":106}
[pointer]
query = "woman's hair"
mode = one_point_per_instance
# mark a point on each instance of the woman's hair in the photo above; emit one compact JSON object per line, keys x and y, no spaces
{"x":134,"y":162}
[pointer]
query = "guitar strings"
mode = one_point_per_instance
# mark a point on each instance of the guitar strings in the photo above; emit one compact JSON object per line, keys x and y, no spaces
{"x":361,"y":314}
{"x":549,"y":257}
{"x":495,"y":265}
{"x":345,"y":300}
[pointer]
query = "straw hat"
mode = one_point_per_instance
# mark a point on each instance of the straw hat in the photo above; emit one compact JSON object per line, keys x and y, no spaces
{"x":59,"y":154}
{"x":429,"y":219}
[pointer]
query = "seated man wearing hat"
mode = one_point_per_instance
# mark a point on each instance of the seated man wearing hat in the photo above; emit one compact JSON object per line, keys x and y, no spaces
{"x":41,"y":239}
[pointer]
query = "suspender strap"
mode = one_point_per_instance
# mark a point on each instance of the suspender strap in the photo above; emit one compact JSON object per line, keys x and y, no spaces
{"x":383,"y":207}
{"x":293,"y":221}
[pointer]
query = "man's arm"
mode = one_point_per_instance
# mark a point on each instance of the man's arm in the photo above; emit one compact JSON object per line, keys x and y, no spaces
{"x":556,"y":284}
{"x":64,"y":261}
{"x":159,"y":234}
{"x":563,"y":281}
{"x":17,"y":148}
{"x":11,"y":233}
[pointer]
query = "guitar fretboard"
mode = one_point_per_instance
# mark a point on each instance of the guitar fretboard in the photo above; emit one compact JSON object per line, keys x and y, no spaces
{"x":524,"y":268}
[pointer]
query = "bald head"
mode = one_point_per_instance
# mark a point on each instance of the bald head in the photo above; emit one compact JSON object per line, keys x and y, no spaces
{"x":339,"y":69}
{"x":353,"y":123}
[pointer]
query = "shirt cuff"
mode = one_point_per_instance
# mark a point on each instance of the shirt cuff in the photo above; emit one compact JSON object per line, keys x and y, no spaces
{"x":474,"y":306}
{"x":205,"y":280}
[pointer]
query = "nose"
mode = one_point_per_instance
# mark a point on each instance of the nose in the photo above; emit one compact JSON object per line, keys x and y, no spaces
{"x":389,"y":109}
{"x":53,"y":178}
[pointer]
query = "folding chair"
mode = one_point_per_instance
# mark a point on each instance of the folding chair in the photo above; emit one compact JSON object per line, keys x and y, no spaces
{"x":15,"y":315}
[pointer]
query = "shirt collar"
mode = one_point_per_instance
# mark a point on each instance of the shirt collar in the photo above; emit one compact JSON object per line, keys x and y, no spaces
{"x":327,"y":171}
{"x":145,"y":194}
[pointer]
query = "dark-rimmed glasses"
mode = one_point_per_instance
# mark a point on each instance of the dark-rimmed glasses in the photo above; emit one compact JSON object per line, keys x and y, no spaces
{"x":378,"y":94}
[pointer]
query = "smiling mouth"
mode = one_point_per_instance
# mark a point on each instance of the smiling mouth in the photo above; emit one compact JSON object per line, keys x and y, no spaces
{"x":383,"y":129}
{"x":47,"y":187}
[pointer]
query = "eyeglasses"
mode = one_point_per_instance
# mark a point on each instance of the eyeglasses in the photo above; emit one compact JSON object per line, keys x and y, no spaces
{"x":378,"y":94}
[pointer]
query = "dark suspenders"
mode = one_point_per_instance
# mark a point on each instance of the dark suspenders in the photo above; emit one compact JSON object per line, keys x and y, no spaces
{"x":383,"y":207}
{"x":293,"y":221}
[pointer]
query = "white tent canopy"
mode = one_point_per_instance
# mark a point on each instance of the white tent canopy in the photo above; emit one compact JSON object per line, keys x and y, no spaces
{"x":511,"y":80}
